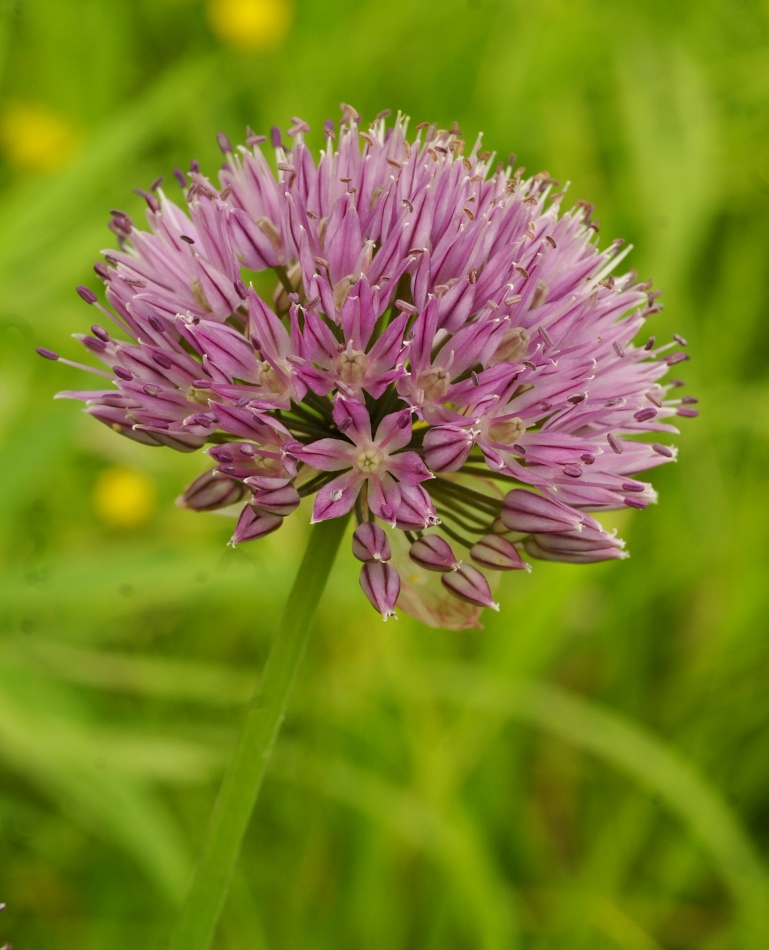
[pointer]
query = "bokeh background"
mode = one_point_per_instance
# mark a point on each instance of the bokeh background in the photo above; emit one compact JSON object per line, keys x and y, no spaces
{"x":591,"y":771}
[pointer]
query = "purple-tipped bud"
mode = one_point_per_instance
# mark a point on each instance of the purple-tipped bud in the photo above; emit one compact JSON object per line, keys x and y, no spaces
{"x":497,"y":554}
{"x":447,"y":448}
{"x":211,"y":491}
{"x":433,"y":554}
{"x":584,"y":547}
{"x":85,"y":293}
{"x":382,"y":585}
{"x":369,"y":543}
{"x":467,"y":583}
{"x":277,"y":501}
{"x":528,"y":512}
{"x":253,"y":524}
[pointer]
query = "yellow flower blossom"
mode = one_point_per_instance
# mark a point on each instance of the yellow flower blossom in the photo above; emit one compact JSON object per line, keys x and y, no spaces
{"x":34,"y":137}
{"x":250,"y":25}
{"x":124,"y":497}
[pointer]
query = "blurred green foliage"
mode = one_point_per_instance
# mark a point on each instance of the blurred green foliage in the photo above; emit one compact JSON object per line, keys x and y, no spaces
{"x":590,"y":772}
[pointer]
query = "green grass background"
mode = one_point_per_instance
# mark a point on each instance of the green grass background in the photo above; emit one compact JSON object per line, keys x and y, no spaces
{"x":591,"y":771}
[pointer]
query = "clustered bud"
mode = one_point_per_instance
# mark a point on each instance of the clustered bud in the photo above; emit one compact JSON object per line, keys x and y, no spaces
{"x":446,"y":354}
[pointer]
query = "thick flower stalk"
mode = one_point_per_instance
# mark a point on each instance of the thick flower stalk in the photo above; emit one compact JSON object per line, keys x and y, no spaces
{"x":446,"y":354}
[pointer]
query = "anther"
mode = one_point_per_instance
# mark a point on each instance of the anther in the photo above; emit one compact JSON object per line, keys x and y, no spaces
{"x":85,"y":293}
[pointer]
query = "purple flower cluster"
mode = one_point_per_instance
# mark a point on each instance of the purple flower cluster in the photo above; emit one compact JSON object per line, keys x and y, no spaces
{"x":446,"y":353}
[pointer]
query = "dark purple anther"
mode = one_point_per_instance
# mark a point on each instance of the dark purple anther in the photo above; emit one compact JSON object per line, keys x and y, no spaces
{"x":573,"y":471}
{"x":329,"y":128}
{"x":614,"y":443}
{"x":102,"y":270}
{"x":688,"y":412}
{"x":156,"y":183}
{"x":433,"y":554}
{"x":680,"y":340}
{"x":369,"y":543}
{"x":636,"y":502}
{"x":122,"y":373}
{"x":650,"y":343}
{"x":47,"y":354}
{"x":519,"y":448}
{"x":195,"y":166}
{"x":100,"y":332}
{"x":619,"y":350}
{"x":210,"y":491}
{"x":497,"y":554}
{"x":162,"y":360}
{"x":633,"y":486}
{"x":224,"y":143}
{"x":382,"y":585}
{"x":679,"y":357}
{"x":85,"y":293}
{"x":180,"y":177}
{"x":689,"y":400}
{"x":94,"y":345}
{"x":275,"y":137}
{"x":187,"y":239}
{"x":577,"y":398}
{"x":253,"y":524}
{"x":643,"y":415}
{"x":156,"y":323}
{"x":256,"y":342}
{"x":468,"y":584}
{"x":240,"y":289}
{"x":662,"y":450}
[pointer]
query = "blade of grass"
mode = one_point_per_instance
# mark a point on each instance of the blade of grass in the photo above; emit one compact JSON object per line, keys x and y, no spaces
{"x":641,"y":755}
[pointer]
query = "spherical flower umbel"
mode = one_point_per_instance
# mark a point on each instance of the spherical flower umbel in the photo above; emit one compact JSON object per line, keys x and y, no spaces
{"x":446,"y":354}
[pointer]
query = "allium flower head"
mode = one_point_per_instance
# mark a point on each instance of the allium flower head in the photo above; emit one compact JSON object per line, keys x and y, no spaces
{"x":446,"y":354}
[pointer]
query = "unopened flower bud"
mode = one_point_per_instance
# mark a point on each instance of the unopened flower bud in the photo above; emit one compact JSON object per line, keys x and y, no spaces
{"x":253,"y":524}
{"x":382,"y":585}
{"x":447,"y":448}
{"x":369,"y":543}
{"x":277,"y":501}
{"x":497,"y":554}
{"x":210,"y":491}
{"x":527,"y":512}
{"x":576,"y":548}
{"x":433,"y":554}
{"x":467,"y":583}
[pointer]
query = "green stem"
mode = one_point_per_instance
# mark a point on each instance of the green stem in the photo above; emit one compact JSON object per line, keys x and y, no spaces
{"x":243,"y":778}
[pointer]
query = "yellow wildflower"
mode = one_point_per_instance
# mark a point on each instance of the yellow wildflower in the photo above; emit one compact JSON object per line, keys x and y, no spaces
{"x":250,"y":25}
{"x":34,"y":137}
{"x":124,"y":497}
